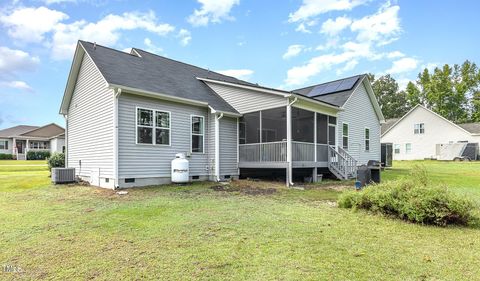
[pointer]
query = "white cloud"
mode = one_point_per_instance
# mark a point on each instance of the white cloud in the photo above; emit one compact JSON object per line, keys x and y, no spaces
{"x":382,"y":27}
{"x":212,"y":11}
{"x":333,"y":27}
{"x":430,"y":66}
{"x":302,"y":28}
{"x":395,"y":54}
{"x":20,"y":85}
{"x":293,"y":51}
{"x":49,"y":27}
{"x":403,"y":65}
{"x":50,"y":2}
{"x":151,"y":47}
{"x":312,"y":8}
{"x":242,"y":74}
{"x":348,"y":67}
{"x":14,"y":61}
{"x":31,"y":24}
{"x":185,"y":37}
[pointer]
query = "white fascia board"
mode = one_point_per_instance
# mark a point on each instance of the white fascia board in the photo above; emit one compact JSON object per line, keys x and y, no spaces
{"x":300,"y":97}
{"x":228,"y":114}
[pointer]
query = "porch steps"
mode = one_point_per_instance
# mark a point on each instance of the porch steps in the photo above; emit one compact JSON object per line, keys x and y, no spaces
{"x":341,"y":164}
{"x":21,"y":156}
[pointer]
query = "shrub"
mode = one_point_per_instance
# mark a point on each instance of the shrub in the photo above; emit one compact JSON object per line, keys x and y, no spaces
{"x":56,"y":161}
{"x":38,"y":155}
{"x":4,"y":156}
{"x":414,"y":200}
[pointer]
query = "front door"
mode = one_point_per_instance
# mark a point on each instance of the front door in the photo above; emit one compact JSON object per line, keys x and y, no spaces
{"x":19,"y":147}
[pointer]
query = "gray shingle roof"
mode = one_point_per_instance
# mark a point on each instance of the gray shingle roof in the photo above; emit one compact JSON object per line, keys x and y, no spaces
{"x":473,"y":128}
{"x":16,"y":131}
{"x":388,"y":124}
{"x":336,"y":98}
{"x":158,"y":74}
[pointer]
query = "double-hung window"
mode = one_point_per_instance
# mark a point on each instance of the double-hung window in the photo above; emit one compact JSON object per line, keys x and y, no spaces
{"x":197,"y":133}
{"x":367,"y":139}
{"x":419,"y":128}
{"x":4,"y":144}
{"x":153,"y":127}
{"x":408,"y":148}
{"x":345,"y":136}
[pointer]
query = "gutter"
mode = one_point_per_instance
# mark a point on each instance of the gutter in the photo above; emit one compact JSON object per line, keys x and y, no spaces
{"x":217,"y":146}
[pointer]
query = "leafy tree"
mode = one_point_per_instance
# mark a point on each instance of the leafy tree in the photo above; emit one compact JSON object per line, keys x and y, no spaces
{"x":392,"y":101}
{"x":414,"y":95}
{"x":476,"y":107}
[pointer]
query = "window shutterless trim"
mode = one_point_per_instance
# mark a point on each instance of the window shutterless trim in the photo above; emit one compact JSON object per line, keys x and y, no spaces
{"x":154,"y":121}
{"x":195,"y":134}
{"x":365,"y":139}
{"x":348,"y":136}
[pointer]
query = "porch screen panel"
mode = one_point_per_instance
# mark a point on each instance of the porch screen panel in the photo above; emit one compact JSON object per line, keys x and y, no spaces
{"x":302,"y":125}
{"x":251,"y":130}
{"x":322,"y":127}
{"x":274,"y":124}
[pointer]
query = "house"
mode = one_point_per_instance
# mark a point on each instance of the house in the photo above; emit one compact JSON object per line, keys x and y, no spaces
{"x":20,"y":139}
{"x":416,"y":135}
{"x":128,"y":115}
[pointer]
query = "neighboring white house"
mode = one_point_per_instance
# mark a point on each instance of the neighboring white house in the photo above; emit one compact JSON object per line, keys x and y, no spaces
{"x":415,"y":136}
{"x":18,"y":140}
{"x":128,"y":114}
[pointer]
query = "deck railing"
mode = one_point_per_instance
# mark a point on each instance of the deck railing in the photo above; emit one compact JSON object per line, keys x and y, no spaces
{"x":342,"y":162}
{"x":277,"y":152}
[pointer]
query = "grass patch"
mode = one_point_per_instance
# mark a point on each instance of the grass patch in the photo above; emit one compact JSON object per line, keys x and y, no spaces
{"x":194,"y":232}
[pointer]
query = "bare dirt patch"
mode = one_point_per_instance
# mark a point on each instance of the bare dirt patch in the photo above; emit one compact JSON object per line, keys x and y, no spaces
{"x":247,"y":187}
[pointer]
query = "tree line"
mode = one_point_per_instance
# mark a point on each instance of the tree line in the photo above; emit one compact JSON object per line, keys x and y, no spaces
{"x":451,"y":91}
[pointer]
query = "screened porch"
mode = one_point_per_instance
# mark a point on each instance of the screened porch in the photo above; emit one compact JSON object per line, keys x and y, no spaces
{"x":263,"y":140}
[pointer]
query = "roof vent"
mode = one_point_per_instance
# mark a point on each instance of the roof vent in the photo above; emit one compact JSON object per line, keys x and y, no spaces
{"x":94,"y":45}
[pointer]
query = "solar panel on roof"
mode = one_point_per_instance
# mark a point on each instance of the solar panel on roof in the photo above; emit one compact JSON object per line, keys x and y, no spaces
{"x":333,"y":87}
{"x":317,"y":90}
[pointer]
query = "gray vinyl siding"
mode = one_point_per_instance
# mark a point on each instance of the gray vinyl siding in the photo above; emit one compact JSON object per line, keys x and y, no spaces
{"x":90,"y":123}
{"x":228,"y":146}
{"x":244,"y":100}
{"x":143,"y":160}
{"x":359,"y":113}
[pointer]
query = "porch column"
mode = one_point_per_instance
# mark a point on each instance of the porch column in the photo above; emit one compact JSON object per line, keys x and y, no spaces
{"x":315,"y":135}
{"x":14,"y":146}
{"x":289,"y":144}
{"x":27,"y":146}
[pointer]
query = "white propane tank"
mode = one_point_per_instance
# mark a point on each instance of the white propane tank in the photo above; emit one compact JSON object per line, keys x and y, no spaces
{"x":180,"y":169}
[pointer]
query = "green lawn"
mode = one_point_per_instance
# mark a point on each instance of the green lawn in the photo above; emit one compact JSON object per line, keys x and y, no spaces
{"x":196,"y":232}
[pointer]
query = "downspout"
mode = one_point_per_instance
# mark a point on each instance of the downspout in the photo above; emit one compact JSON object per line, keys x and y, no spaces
{"x":65,"y":116}
{"x":115,"y":137}
{"x":217,"y":146}
{"x":289,"y":141}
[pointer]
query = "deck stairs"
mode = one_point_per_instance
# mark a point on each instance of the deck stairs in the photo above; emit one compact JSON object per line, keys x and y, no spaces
{"x":341,"y":164}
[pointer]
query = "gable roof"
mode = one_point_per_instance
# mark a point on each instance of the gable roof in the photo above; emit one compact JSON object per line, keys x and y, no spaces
{"x":150,"y":73}
{"x":16,"y":131}
{"x":338,"y":92}
{"x":328,"y":90}
{"x":47,"y":131}
{"x":432,"y":112}
{"x":473,"y":128}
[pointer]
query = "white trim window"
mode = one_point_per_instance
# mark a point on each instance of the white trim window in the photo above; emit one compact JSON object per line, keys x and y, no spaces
{"x":148,"y":127}
{"x":345,"y":136}
{"x":367,"y":139}
{"x":197,"y":133}
{"x":419,"y":128}
{"x":162,"y":128}
{"x":4,"y":144}
{"x":38,"y":145}
{"x":397,"y":148}
{"x":408,"y":148}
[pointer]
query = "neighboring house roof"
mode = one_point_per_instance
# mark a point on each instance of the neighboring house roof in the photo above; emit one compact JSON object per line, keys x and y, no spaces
{"x":16,"y":131}
{"x":388,"y":123}
{"x":473,"y":128}
{"x":153,"y":73}
{"x":434,"y":113}
{"x":23,"y":131}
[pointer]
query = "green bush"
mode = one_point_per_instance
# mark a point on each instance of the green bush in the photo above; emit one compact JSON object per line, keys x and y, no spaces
{"x":4,"y":156}
{"x":56,"y":161}
{"x":37,"y":155}
{"x":414,"y":200}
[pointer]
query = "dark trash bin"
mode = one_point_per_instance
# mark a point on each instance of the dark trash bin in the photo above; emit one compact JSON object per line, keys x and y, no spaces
{"x":363,"y":175}
{"x":375,"y":168}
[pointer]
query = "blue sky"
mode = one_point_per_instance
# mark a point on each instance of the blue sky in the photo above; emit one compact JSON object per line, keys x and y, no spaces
{"x":284,"y":44}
